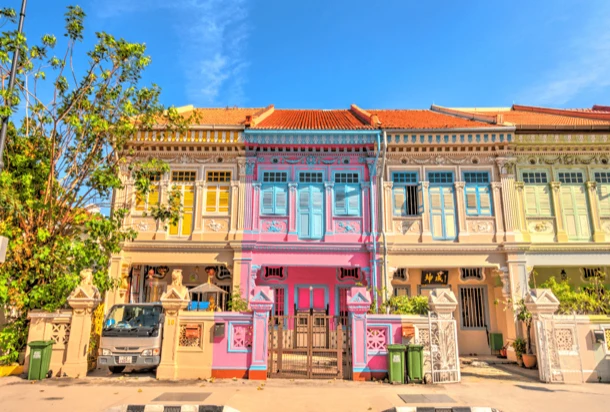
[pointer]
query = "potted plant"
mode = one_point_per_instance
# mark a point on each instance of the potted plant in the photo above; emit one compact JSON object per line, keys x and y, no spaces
{"x":525,"y":316}
{"x":503,"y":353}
{"x":519,"y":346}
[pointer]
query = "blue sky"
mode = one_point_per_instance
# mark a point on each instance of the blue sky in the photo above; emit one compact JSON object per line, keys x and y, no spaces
{"x":377,"y":54}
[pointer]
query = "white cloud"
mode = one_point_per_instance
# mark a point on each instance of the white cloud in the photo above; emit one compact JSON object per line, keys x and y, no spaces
{"x":584,"y":67}
{"x":213,"y":38}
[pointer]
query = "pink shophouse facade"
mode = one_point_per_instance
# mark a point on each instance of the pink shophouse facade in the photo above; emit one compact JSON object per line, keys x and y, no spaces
{"x":309,"y":224}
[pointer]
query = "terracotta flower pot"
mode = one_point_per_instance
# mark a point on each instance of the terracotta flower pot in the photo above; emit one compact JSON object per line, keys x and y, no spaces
{"x":529,"y":361}
{"x":503,"y":353}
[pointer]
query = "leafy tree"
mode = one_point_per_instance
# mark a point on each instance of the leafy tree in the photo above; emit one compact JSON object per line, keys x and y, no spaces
{"x":70,"y":150}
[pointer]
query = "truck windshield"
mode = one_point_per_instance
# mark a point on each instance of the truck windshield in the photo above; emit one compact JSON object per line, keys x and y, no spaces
{"x":133,"y":316}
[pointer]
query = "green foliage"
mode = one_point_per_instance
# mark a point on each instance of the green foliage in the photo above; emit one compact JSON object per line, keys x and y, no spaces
{"x":67,"y":155}
{"x":237,"y":303}
{"x":525,"y":316}
{"x":592,"y":299}
{"x":519,"y":346}
{"x":405,"y":305}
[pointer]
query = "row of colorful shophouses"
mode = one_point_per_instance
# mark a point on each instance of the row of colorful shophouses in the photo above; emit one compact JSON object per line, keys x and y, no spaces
{"x":318,"y":217}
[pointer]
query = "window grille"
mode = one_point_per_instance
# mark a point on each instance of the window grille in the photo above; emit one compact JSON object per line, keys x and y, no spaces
{"x":184,"y":176}
{"x":219,"y":177}
{"x":602,"y":177}
{"x":347,"y":273}
{"x":535,"y":177}
{"x":476,"y":177}
{"x":570,"y":177}
{"x":401,"y":273}
{"x":402,"y":291}
{"x":274,"y":273}
{"x":589,"y":273}
{"x":278,"y":302}
{"x":406,"y":194}
{"x":472,"y":307}
{"x":310,"y":177}
{"x":275,"y":177}
{"x":224,"y":297}
{"x":471,"y":273}
{"x":346,"y":178}
{"x":440,"y":177}
{"x":343,"y":312}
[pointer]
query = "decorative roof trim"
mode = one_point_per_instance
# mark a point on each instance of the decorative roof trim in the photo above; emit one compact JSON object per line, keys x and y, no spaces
{"x":468,"y":116}
{"x":310,"y":137}
{"x":600,"y":115}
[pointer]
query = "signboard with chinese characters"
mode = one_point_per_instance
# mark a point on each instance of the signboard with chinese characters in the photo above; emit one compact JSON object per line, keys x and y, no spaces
{"x":434,"y":277}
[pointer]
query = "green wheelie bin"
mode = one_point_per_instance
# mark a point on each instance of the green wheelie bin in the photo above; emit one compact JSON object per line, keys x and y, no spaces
{"x":40,"y":359}
{"x":415,"y":363}
{"x":396,"y":363}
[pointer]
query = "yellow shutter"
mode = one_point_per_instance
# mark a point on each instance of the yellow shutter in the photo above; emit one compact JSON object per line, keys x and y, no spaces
{"x":223,"y":199}
{"x":153,"y":196}
{"x":210,"y":199}
{"x":140,"y":203}
{"x":530,"y":200}
{"x":187,"y":215}
{"x":173,"y":229}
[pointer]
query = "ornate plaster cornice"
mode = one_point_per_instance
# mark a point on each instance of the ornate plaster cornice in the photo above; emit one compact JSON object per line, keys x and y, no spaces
{"x":178,"y":247}
{"x":470,"y":248}
{"x":402,"y":158}
{"x":532,"y":159}
{"x":575,"y":138}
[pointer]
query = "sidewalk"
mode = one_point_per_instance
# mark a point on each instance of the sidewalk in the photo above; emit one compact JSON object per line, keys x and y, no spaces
{"x":491,"y":388}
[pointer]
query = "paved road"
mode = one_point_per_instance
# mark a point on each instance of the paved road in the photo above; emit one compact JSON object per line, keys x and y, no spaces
{"x":491,"y":387}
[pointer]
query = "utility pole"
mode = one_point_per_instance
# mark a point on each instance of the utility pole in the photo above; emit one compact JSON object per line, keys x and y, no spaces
{"x":11,"y":83}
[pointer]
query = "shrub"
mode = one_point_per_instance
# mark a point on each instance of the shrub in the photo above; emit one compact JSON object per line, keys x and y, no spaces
{"x":405,"y":305}
{"x":590,"y":300}
{"x":237,"y":303}
{"x":519,"y":345}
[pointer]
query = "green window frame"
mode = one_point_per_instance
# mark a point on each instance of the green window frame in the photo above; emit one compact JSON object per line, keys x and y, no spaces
{"x":477,"y":194}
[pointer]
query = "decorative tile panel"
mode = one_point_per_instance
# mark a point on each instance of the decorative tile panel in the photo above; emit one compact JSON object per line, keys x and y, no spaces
{"x":190,"y":339}
{"x":564,"y":339}
{"x":241,"y":337}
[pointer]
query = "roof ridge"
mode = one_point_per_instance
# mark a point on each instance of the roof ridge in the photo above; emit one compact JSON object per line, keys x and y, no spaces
{"x":562,"y":112}
{"x":468,"y":115}
{"x":364,"y":116}
{"x":599,"y":107}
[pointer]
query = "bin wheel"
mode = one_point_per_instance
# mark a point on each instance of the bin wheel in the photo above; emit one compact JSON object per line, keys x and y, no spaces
{"x":407,"y":380}
{"x":49,"y":374}
{"x":116,"y":369}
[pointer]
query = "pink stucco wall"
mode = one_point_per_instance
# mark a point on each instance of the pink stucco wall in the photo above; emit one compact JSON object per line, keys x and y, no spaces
{"x":377,"y":360}
{"x":224,"y":358}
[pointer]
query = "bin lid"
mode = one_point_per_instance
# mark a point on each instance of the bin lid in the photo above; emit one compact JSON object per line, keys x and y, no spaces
{"x":40,"y":344}
{"x":396,"y":347}
{"x":415,"y":347}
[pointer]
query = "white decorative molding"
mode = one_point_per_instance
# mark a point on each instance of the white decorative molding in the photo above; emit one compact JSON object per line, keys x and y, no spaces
{"x":214,"y":226}
{"x":438,"y":159}
{"x":142,"y":226}
{"x":541,"y":226}
{"x":407,"y":226}
{"x":480,"y":226}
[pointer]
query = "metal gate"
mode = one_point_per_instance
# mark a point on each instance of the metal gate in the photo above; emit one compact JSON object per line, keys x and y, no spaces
{"x":558,"y":349}
{"x":309,"y":346}
{"x":443,"y":349}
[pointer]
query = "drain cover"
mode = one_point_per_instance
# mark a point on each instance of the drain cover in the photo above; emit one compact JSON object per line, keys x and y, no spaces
{"x":181,"y":397}
{"x":420,"y":398}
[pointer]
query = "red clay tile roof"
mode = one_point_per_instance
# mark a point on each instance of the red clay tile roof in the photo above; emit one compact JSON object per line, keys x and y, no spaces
{"x":312,"y":120}
{"x":424,"y":119}
{"x":222,"y":116}
{"x":540,"y":117}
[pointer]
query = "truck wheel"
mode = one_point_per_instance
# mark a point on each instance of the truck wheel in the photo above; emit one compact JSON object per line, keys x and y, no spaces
{"x":116,"y":369}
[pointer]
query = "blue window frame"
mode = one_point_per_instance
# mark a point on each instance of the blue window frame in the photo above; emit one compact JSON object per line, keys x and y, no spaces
{"x":407,"y":194}
{"x":441,"y":195}
{"x":311,"y":205}
{"x":347,"y":194}
{"x":274,"y":193}
{"x":477,"y":193}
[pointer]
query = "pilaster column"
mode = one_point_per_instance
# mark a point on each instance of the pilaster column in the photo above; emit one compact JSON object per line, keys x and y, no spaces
{"x":261,"y":303}
{"x":83,"y":301}
{"x":198,"y":212}
{"x":461,"y":211}
{"x":598,"y":233}
{"x":389,"y":206}
{"x":292,"y":207}
{"x":252,"y":278}
{"x":562,"y":236}
{"x":161,"y":232}
{"x":425,"y":216}
{"x":174,"y":300}
{"x":366,"y":208}
{"x":241,"y":204}
{"x":358,"y":304}
{"x":498,"y":211}
{"x":235,"y":201}
{"x":329,"y":229}
{"x":521,"y":222}
{"x":256,"y":205}
{"x":510,"y":204}
{"x":249,"y":201}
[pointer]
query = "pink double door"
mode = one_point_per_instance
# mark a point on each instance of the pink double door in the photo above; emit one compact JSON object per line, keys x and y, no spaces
{"x":311,"y":298}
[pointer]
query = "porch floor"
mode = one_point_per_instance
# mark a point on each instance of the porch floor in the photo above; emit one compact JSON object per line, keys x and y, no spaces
{"x":488,"y":359}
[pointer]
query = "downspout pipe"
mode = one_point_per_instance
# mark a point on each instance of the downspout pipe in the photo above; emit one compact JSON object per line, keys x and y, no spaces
{"x":384,"y":277}
{"x":372,"y":176}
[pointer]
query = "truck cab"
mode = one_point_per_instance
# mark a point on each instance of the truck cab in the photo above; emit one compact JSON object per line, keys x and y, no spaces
{"x":131,"y":336}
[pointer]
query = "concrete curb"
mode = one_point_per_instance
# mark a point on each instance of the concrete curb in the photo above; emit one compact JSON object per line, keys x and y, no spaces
{"x":440,"y":409}
{"x":171,"y":408}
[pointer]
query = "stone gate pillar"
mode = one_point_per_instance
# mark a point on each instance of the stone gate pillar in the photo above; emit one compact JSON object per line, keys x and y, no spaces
{"x":83,"y":300}
{"x":541,"y":303}
{"x":175,"y":299}
{"x":358,"y":304}
{"x":261,"y":303}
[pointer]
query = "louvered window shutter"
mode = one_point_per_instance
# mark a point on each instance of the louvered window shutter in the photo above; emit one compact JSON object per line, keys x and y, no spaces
{"x":174,"y":227}
{"x":436,"y":211}
{"x":210,"y":200}
{"x":304,"y":212}
{"x":449,"y":212}
{"x":140,"y":202}
{"x":223,"y":199}
{"x":399,"y":201}
{"x":353,"y":200}
{"x":280,"y":200}
{"x":420,"y":199}
{"x":187,"y":214}
{"x":153,"y":196}
{"x":471,"y":200}
{"x":340,"y":200}
{"x":317,"y":212}
{"x":543,"y":198}
{"x":603,"y":193}
{"x":569,"y":211}
{"x":531,"y":201}
{"x":267,"y":200}
{"x":582,"y":211}
{"x":484,"y":200}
